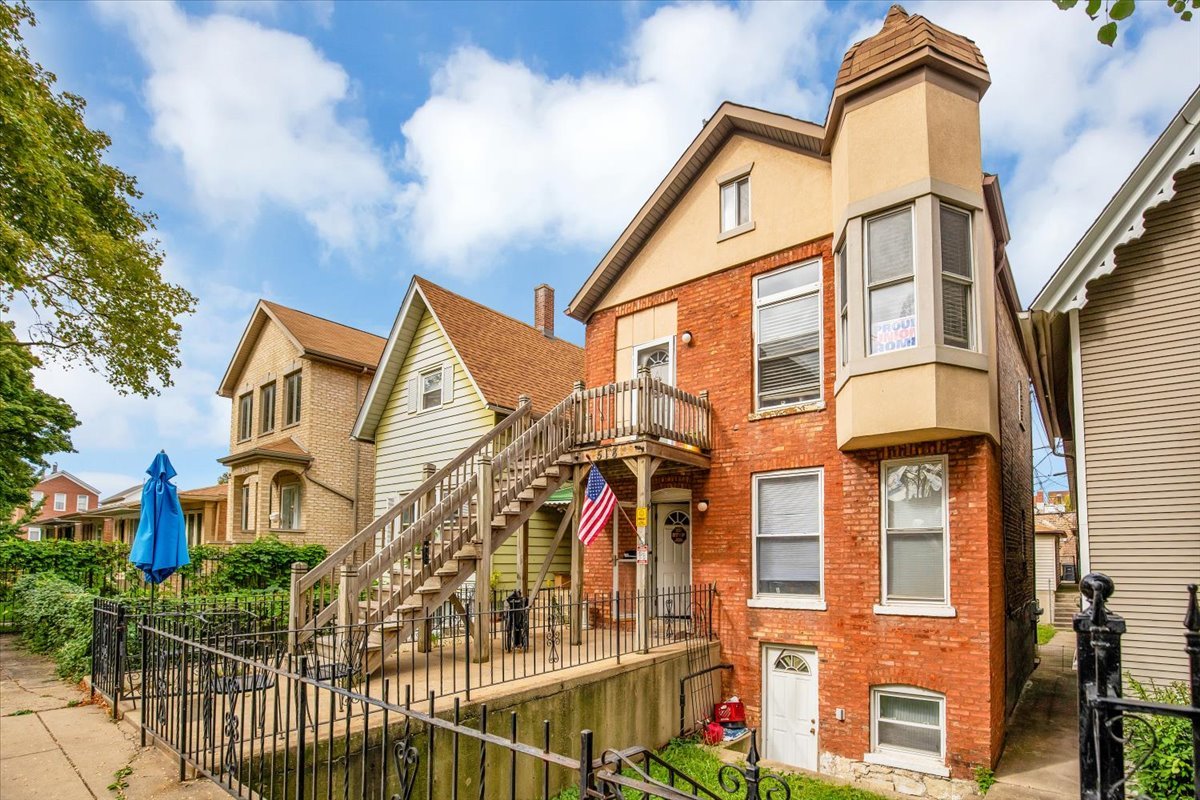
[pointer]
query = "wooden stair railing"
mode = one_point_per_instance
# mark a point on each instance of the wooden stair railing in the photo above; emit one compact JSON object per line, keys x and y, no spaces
{"x":314,"y":593}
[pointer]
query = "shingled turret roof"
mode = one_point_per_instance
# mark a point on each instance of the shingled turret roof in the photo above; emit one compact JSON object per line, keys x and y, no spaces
{"x":901,"y":35}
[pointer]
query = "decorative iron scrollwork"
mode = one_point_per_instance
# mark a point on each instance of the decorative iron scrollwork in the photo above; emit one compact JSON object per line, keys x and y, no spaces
{"x":407,"y":759}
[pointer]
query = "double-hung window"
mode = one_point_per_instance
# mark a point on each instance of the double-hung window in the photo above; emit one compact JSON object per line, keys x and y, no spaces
{"x":787,"y":326}
{"x":431,"y":388}
{"x":915,"y":540}
{"x":266,"y":411}
{"x":957,"y":319}
{"x":735,"y":204}
{"x":245,"y":416}
{"x":81,"y":502}
{"x":60,"y":501}
{"x":891,"y":290}
{"x":908,"y":727}
{"x":36,"y":496}
{"x":843,"y":299}
{"x":291,"y":398}
{"x":788,"y":523}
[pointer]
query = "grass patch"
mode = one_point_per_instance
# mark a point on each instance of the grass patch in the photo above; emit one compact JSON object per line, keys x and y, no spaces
{"x":699,"y":763}
{"x":23,"y":712}
{"x":1046,"y":633}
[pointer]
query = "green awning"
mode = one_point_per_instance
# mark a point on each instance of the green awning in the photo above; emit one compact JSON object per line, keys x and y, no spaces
{"x":561,"y":497}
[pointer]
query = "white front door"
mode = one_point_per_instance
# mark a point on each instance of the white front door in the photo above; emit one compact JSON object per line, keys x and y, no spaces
{"x":790,"y":700}
{"x":659,"y":356}
{"x":673,"y":546}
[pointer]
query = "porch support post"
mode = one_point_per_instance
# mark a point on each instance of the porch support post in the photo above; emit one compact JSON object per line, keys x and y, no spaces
{"x":523,"y":559}
{"x":645,"y":471}
{"x":577,"y":478}
{"x":483,"y":574}
{"x":425,"y":625}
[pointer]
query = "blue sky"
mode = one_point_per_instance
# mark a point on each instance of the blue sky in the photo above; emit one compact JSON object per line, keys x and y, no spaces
{"x":319,"y":154}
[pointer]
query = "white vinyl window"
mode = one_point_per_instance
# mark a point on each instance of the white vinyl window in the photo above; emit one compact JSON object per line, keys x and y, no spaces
{"x":81,"y":502}
{"x":35,"y":534}
{"x":60,"y":501}
{"x":788,"y":523}
{"x":246,"y":507}
{"x":735,"y":204}
{"x":787,"y":334}
{"x":431,"y":388}
{"x":916,"y":559}
{"x":192,"y":525}
{"x":36,"y":497}
{"x":289,"y":507}
{"x":957,"y":316}
{"x":245,"y":416}
{"x":843,"y":299}
{"x":908,"y":724}
{"x":266,"y":408}
{"x":891,"y":290}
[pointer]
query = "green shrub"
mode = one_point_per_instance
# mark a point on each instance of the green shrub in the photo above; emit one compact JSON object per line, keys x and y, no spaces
{"x":1164,"y":742}
{"x":265,"y":563}
{"x":55,"y":616}
{"x":94,"y":565}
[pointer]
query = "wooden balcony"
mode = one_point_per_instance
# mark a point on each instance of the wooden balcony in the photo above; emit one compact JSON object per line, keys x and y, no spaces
{"x":642,"y":416}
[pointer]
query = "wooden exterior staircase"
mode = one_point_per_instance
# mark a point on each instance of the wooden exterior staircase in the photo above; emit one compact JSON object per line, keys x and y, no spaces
{"x":415,"y":556}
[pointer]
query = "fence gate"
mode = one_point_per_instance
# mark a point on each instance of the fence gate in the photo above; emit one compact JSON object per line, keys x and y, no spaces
{"x":1107,"y":721}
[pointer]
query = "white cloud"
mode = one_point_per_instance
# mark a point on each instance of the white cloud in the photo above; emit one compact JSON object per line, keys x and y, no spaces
{"x":254,"y":114}
{"x":109,"y":483}
{"x":1074,"y":116}
{"x":502,"y":154}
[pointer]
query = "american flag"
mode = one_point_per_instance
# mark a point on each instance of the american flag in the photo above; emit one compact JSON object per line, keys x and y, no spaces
{"x":598,"y":504}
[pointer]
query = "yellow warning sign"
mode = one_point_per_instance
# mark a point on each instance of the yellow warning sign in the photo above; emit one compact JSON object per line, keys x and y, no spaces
{"x":643,"y":516}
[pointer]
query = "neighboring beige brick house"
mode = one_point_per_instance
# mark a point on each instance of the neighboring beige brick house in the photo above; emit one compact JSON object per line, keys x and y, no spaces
{"x":296,"y":382}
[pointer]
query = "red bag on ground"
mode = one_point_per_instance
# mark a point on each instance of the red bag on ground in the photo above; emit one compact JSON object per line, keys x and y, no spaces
{"x":713,"y":733}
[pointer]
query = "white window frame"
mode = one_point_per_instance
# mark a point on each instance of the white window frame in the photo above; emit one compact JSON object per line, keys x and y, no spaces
{"x":793,"y":601}
{"x":782,"y":297}
{"x":972,"y":316}
{"x":81,"y":502}
{"x":35,"y":533}
{"x":421,"y":388}
{"x":36,"y":496}
{"x":60,"y":501}
{"x":247,"y":497}
{"x":245,"y":416}
{"x":299,"y":520}
{"x":842,"y":297}
{"x":193,"y":525}
{"x":868,"y":287}
{"x":903,"y":758}
{"x":737,"y":227}
{"x":922,"y":608}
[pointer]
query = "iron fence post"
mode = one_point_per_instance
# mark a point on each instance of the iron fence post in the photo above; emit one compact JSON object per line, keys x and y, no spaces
{"x":144,"y":636}
{"x":586,"y":779}
{"x":118,"y":677}
{"x":97,"y":631}
{"x":1191,"y":622}
{"x":301,"y":725}
{"x":752,"y":767}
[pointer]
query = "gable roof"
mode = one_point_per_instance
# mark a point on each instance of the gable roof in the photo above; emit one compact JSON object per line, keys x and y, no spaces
{"x":502,"y":356}
{"x":1151,"y":183}
{"x":728,"y":120}
{"x":315,"y":337}
{"x":62,"y":473}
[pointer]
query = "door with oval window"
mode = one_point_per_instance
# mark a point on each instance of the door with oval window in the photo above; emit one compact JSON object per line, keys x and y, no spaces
{"x":790,"y":706}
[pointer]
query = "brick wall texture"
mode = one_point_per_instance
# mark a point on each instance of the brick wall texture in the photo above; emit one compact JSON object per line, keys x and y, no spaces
{"x":964,"y":657}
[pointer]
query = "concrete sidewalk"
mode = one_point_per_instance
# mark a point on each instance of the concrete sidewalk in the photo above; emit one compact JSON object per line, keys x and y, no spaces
{"x":1041,"y":757}
{"x":54,"y":744}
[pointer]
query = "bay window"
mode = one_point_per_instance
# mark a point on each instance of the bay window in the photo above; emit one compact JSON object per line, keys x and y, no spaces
{"x":787,"y":330}
{"x":891,"y":289}
{"x":915,"y":540}
{"x":788,"y":522}
{"x":843,"y":299}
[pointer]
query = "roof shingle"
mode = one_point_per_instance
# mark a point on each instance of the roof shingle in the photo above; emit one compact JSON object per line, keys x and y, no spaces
{"x":904,"y":33}
{"x":323,"y":337}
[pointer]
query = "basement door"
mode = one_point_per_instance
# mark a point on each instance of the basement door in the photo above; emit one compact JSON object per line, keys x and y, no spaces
{"x":790,"y":706}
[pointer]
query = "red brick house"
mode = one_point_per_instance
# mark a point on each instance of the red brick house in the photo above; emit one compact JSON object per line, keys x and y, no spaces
{"x":60,"y":494}
{"x":840,"y":297}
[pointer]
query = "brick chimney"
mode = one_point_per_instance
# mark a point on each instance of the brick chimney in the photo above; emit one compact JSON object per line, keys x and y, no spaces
{"x":543,"y":309}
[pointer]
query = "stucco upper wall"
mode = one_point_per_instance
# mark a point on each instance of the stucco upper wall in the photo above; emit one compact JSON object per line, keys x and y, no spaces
{"x":789,"y":204}
{"x":914,"y":130}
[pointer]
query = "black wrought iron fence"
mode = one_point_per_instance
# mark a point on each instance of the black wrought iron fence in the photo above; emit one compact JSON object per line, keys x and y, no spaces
{"x":1117,"y":734}
{"x":269,"y":727}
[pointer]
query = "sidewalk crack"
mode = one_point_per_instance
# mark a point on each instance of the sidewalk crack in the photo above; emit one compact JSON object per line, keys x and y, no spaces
{"x":66,"y":755}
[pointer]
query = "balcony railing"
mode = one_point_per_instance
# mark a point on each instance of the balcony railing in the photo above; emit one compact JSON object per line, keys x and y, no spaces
{"x":640,"y":407}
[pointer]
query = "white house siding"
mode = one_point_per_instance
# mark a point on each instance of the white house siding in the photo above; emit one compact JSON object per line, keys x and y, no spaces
{"x":1140,"y":356}
{"x":405,"y":443}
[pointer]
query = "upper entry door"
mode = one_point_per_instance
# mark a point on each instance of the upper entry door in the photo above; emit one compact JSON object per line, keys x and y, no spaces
{"x":659,"y":356}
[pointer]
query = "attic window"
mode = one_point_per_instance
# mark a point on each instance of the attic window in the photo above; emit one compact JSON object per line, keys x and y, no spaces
{"x":431,"y":389}
{"x":735,"y":205}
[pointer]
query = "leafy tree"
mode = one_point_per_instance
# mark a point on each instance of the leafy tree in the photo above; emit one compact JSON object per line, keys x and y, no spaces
{"x":33,"y":425}
{"x":1118,"y":10}
{"x":72,"y":246}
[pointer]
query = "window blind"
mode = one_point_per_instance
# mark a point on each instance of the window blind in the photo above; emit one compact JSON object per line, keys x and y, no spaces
{"x":956,"y":242}
{"x":788,"y":538}
{"x":890,"y":246}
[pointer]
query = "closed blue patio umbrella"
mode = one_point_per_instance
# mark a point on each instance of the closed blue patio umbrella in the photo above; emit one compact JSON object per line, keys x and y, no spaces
{"x":160,"y":546}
